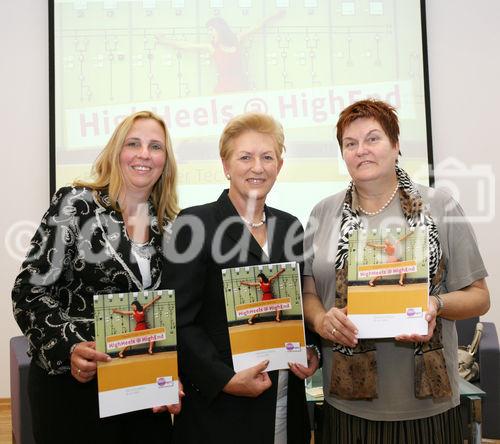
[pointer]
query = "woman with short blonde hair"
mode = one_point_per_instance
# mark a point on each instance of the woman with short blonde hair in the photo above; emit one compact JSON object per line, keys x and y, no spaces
{"x":240,"y":224}
{"x":261,"y":123}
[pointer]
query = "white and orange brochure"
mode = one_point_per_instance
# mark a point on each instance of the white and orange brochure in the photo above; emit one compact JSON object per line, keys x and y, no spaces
{"x":264,"y":314}
{"x":388,"y":281}
{"x":138,"y":331}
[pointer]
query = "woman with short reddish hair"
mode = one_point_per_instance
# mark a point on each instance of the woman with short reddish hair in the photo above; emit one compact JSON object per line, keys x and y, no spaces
{"x":392,"y":390}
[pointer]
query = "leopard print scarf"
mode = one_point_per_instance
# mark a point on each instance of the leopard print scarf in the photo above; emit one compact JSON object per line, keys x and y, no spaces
{"x":354,"y":371}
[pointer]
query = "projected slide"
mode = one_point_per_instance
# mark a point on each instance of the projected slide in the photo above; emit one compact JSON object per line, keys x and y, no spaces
{"x":197,"y":63}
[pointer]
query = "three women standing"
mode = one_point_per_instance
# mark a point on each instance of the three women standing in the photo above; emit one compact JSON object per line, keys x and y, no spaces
{"x":106,"y":237}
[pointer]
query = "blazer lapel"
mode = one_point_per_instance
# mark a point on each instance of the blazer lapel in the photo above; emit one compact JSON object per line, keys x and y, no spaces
{"x":276,"y":233}
{"x":237,"y":230}
{"x":156,"y":243}
{"x":116,"y":239}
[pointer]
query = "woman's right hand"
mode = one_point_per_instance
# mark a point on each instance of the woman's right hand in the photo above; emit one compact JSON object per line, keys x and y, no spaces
{"x":250,"y":382}
{"x":334,"y":325}
{"x":84,"y":361}
{"x":173,"y":409}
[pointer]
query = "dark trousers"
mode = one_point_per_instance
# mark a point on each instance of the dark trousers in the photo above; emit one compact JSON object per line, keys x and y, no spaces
{"x":66,"y":411}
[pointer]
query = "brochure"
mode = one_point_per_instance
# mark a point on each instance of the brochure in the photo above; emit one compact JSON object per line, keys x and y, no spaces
{"x":264,"y":314}
{"x":388,"y":281}
{"x":138,"y":331}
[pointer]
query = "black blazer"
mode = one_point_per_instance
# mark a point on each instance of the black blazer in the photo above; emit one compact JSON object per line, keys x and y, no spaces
{"x":208,"y":414}
{"x":80,"y":249}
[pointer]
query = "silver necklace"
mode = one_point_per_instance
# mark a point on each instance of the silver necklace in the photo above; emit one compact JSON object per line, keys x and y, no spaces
{"x":383,"y":207}
{"x":258,"y":224}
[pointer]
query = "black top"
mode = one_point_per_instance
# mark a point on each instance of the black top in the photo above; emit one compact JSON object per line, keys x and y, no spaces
{"x":80,"y":249}
{"x":221,"y":240}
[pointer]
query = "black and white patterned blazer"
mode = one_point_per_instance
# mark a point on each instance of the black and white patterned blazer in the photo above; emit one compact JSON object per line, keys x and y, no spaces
{"x":80,"y":249}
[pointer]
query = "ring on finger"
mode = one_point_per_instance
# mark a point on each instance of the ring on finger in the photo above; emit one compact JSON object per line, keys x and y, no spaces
{"x":78,"y":372}
{"x":334,"y":330}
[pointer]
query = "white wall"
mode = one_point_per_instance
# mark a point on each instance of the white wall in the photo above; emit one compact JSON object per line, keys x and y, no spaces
{"x":464,"y":70}
{"x":24,"y":123}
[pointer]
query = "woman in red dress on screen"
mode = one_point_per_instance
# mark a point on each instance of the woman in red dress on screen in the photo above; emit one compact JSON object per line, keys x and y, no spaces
{"x":226,"y":52}
{"x":139,"y":314}
{"x":265,"y":285}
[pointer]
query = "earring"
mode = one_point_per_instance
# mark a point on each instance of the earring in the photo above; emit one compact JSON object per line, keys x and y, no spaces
{"x":228,"y":176}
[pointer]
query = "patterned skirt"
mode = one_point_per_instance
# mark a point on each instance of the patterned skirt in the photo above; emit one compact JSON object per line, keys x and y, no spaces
{"x":342,"y":428}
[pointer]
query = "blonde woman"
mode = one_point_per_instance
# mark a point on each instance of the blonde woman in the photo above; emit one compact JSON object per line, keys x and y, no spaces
{"x":237,"y":230}
{"x":98,"y":237}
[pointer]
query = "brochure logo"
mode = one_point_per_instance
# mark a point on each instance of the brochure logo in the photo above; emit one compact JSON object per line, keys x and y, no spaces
{"x":292,"y":346}
{"x":164,"y":381}
{"x":414,"y":312}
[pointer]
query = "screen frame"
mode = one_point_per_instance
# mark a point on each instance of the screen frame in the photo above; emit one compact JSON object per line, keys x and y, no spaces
{"x":52,"y":102}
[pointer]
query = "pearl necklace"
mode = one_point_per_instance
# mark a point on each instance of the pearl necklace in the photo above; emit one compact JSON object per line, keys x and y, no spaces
{"x":383,"y":207}
{"x":258,"y":224}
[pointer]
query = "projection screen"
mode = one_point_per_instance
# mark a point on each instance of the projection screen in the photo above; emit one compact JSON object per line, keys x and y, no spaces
{"x":197,"y":63}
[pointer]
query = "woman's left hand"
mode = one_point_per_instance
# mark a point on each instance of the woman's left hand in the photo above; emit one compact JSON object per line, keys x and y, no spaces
{"x":84,"y":360}
{"x":430,"y":317}
{"x":173,"y":409}
{"x":312,"y":365}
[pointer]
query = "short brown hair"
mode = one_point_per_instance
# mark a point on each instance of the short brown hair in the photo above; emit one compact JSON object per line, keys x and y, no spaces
{"x":382,"y":112}
{"x":262,"y":123}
